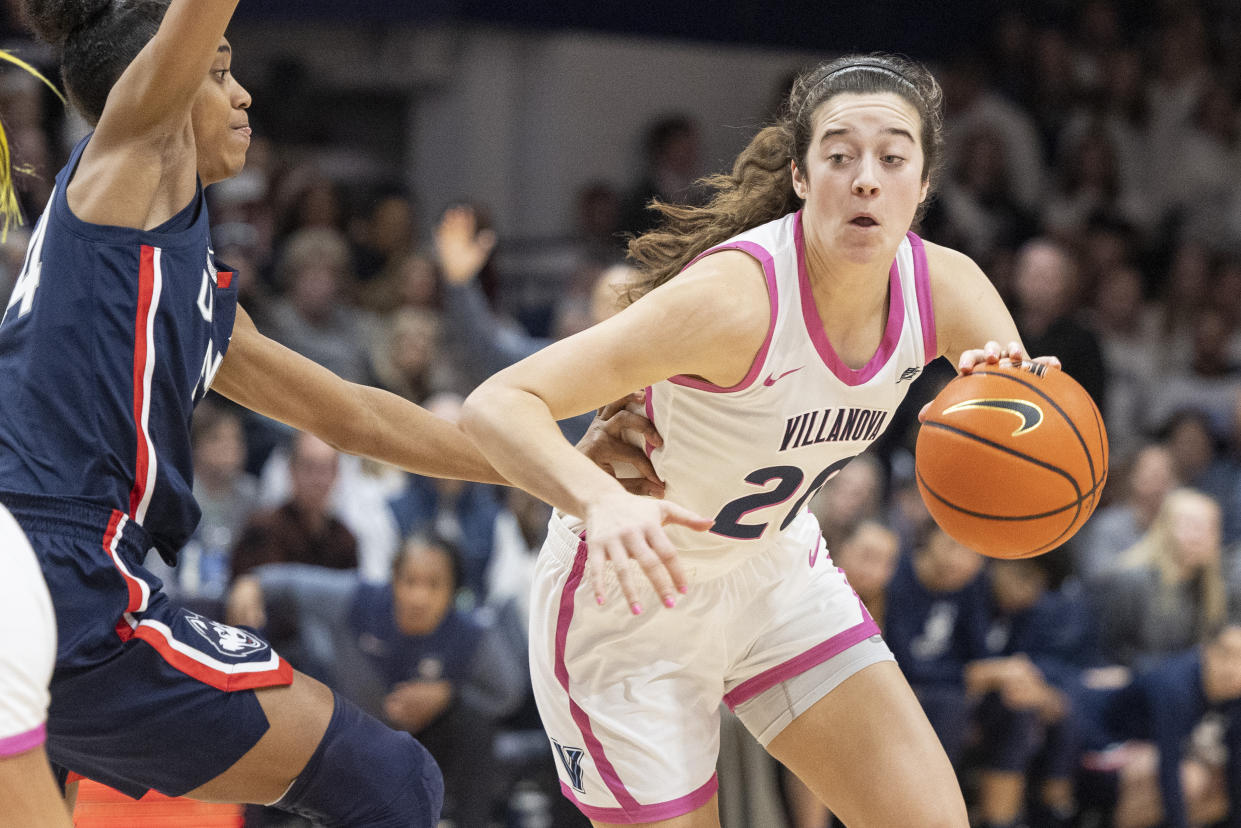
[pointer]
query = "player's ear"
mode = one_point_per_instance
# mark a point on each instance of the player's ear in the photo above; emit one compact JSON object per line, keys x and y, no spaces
{"x":799,"y":180}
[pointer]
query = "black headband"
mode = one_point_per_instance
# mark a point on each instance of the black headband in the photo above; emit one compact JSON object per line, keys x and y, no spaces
{"x":849,"y":67}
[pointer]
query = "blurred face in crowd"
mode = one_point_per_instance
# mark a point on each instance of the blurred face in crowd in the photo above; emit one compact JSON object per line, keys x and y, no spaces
{"x":312,"y":473}
{"x":1194,"y":525}
{"x":861,"y":178}
{"x":944,"y":565}
{"x":1016,"y":585}
{"x":220,"y":451}
{"x":1042,"y":279}
{"x":1153,"y":476}
{"x":423,"y":586}
{"x":868,"y":558}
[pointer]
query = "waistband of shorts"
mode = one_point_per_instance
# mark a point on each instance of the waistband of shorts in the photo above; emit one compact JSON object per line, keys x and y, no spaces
{"x":569,"y":531}
{"x":69,"y":517}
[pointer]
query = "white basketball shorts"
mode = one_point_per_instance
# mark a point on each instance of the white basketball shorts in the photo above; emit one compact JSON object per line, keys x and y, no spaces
{"x":27,"y":643}
{"x":631,"y":703}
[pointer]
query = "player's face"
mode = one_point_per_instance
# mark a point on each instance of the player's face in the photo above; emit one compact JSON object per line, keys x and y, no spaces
{"x":422,"y":590}
{"x":862,"y":175}
{"x":221,"y":126}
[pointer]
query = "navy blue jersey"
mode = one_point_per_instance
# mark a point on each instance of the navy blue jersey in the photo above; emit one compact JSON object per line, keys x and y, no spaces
{"x":109,"y":339}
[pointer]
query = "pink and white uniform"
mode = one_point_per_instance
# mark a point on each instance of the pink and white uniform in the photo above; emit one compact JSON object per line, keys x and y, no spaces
{"x":769,"y":626}
{"x":27,"y":643}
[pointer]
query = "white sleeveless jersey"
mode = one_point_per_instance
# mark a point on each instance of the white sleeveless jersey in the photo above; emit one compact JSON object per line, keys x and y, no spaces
{"x":753,"y":455}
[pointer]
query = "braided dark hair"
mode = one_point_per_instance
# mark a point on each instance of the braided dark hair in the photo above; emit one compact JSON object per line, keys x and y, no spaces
{"x":97,"y":40}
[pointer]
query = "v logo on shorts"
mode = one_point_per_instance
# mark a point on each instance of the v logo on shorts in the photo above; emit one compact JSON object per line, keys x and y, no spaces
{"x":571,"y":758}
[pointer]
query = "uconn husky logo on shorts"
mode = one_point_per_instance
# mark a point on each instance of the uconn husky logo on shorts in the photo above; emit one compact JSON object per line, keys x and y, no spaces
{"x":230,"y":641}
{"x":571,"y":758}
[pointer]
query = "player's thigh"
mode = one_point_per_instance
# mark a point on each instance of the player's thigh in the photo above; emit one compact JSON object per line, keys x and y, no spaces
{"x":706,"y":816}
{"x":298,"y":716}
{"x":867,"y":750}
{"x":29,"y":792}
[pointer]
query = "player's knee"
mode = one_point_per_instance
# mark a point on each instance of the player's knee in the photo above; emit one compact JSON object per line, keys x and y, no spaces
{"x":367,"y":775}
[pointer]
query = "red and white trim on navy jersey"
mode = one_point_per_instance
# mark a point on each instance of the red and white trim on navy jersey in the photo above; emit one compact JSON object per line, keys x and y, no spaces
{"x":193,"y":662}
{"x":150,"y":283}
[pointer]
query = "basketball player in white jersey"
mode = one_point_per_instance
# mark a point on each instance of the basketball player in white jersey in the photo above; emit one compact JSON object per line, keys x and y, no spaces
{"x":27,"y":653}
{"x":801,"y":309}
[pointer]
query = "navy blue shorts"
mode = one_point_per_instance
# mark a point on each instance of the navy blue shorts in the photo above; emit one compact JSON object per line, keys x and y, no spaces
{"x":145,"y":694}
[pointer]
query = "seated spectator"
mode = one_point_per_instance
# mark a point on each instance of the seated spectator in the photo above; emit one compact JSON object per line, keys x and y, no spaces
{"x":853,"y":495}
{"x":936,"y":623}
{"x":403,"y":653}
{"x":1038,"y":641}
{"x":227,"y":496}
{"x":869,"y":558}
{"x":302,"y":530}
{"x":461,"y":512}
{"x":405,"y":355}
{"x":312,"y":317}
{"x":1121,"y":524}
{"x":1150,"y":732}
{"x":1169,"y":592}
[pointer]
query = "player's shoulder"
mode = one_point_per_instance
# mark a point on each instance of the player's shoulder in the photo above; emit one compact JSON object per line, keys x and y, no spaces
{"x":728,"y":284}
{"x":953,"y":275}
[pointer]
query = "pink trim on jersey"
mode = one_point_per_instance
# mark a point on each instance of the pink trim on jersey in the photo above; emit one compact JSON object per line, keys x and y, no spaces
{"x":144,"y":367}
{"x":22,"y":742}
{"x":797,"y":665}
{"x":769,"y":270}
{"x":922,"y":286}
{"x":647,"y":813}
{"x":814,"y":322}
{"x":610,"y":777}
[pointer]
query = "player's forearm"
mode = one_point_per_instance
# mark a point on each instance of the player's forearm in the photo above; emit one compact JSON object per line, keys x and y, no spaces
{"x":397,"y":432}
{"x":520,"y":438}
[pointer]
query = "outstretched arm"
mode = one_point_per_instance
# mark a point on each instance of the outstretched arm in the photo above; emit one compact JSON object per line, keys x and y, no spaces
{"x":267,"y":377}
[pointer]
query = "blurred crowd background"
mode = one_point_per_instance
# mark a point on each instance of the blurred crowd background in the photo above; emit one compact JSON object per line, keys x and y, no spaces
{"x":434,"y":192}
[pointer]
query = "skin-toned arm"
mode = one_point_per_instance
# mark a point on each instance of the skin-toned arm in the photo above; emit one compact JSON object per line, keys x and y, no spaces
{"x":710,"y":321}
{"x":266,"y":377}
{"x":141,"y":164}
{"x":970,"y":312}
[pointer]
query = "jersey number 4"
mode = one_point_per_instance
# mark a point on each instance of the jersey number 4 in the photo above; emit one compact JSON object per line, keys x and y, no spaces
{"x":23,"y":291}
{"x":728,"y":521}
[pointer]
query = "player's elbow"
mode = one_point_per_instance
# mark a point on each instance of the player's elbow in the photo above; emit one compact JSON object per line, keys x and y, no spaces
{"x":479,"y":410}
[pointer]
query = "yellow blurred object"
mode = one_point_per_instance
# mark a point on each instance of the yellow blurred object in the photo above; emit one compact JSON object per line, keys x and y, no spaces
{"x":10,"y":211}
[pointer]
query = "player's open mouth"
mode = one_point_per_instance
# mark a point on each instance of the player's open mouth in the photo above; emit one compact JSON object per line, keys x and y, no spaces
{"x":864,"y":221}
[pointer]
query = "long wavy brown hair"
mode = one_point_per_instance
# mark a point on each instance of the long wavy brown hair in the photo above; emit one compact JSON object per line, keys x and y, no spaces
{"x":760,"y":186}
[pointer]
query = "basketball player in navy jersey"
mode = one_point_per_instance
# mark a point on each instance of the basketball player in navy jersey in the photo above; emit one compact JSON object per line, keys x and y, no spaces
{"x":800,"y":307}
{"x":120,"y":321}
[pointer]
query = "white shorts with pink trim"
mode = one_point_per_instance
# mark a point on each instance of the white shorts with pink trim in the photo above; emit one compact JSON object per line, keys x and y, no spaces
{"x":631,"y":703}
{"x":27,"y":643}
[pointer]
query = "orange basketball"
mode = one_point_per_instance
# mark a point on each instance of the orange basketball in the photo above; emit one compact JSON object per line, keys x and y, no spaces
{"x":1012,"y":460}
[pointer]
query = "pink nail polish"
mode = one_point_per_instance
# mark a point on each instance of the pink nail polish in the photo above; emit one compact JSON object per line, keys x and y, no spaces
{"x":636,"y":608}
{"x":684,"y":590}
{"x":669,"y":603}
{"x":599,"y":600}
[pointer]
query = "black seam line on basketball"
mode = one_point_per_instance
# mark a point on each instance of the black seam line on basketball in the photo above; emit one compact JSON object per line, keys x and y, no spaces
{"x":1026,"y":457}
{"x":1081,"y":499}
{"x":1101,"y":433}
{"x":1080,"y":439}
{"x":1036,"y":551}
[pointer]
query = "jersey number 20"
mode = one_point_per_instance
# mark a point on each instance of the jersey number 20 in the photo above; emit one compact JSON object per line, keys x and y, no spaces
{"x":728,"y":521}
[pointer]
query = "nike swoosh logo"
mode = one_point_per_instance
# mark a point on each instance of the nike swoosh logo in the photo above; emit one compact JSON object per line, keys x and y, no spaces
{"x":1031,"y":415}
{"x":772,"y":380}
